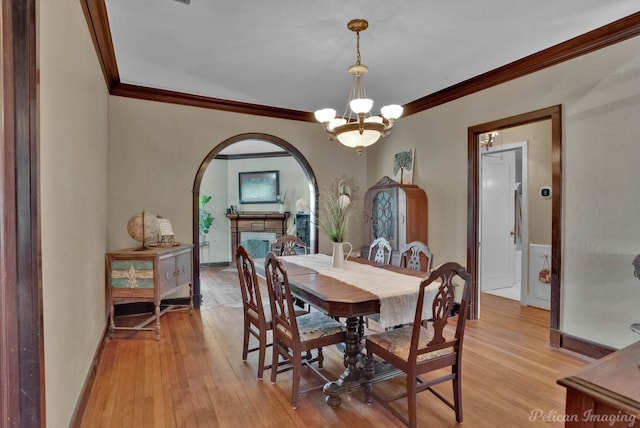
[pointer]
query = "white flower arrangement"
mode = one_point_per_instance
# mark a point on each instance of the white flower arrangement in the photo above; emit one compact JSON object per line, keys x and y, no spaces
{"x":336,"y":208}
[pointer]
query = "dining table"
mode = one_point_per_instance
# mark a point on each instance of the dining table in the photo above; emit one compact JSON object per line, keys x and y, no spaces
{"x":360,"y":288}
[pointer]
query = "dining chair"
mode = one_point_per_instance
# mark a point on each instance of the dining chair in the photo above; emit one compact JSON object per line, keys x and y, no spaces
{"x":256,"y":315}
{"x":413,"y":254}
{"x":381,"y":250}
{"x":425,"y":346}
{"x":289,"y":245}
{"x":294,"y":335}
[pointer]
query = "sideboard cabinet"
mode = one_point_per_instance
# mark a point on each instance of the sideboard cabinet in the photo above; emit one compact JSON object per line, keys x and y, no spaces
{"x":149,"y":275}
{"x":397,"y":212}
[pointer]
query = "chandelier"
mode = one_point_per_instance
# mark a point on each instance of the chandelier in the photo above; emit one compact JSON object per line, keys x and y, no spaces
{"x":358,"y":129}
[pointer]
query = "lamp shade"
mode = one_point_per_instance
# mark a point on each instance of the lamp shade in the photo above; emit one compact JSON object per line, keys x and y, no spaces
{"x":361,"y":105}
{"x":325,"y":115}
{"x":392,"y":111}
{"x":356,"y":139}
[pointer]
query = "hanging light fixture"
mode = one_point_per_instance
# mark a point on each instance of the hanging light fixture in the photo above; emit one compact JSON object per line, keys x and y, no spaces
{"x":358,"y":129}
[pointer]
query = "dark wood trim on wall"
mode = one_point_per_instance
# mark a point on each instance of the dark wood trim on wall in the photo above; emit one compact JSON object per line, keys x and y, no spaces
{"x":174,"y":97}
{"x":242,"y":156}
{"x":555,"y":115}
{"x":583,"y":347}
{"x":607,"y":35}
{"x":95,"y":12}
{"x":599,"y":38}
{"x":21,"y":344}
{"x":297,"y":155}
{"x":9,"y":363}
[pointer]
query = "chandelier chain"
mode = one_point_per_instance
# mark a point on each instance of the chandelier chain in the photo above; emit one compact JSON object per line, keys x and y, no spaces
{"x":358,"y":47}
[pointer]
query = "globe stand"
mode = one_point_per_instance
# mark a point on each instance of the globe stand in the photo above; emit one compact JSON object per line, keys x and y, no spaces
{"x":143,"y":247}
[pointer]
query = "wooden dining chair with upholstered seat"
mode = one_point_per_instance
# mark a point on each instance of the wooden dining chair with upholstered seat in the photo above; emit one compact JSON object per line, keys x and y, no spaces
{"x":425,"y":346}
{"x":416,"y":256}
{"x":289,"y":245}
{"x":256,"y":313}
{"x":257,"y":317}
{"x":294,"y":335}
{"x":380,"y":249}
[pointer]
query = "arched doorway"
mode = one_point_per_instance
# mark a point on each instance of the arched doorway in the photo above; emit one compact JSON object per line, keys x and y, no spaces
{"x":295,"y":153}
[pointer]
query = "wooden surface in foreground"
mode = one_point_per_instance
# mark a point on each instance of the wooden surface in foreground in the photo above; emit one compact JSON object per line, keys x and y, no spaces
{"x":195,"y":377}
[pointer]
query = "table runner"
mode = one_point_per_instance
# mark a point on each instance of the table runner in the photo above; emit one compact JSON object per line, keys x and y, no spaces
{"x":398,"y":293}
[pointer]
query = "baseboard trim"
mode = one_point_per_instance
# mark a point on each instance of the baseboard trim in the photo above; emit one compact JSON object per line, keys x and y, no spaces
{"x":582,"y":346}
{"x":83,"y":400}
{"x":215,"y":264}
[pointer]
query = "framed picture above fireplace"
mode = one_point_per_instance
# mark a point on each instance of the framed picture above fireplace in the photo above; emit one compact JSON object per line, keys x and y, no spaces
{"x":259,"y":187}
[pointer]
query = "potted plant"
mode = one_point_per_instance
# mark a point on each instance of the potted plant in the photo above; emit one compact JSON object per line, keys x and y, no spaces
{"x":206,"y":219}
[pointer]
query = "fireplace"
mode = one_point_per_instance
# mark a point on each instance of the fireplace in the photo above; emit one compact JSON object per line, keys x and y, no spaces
{"x":256,"y":229}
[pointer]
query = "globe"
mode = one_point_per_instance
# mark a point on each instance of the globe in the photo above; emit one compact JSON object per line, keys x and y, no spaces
{"x":151,"y":227}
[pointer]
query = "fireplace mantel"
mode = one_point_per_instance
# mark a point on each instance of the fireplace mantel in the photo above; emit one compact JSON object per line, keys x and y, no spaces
{"x":255,"y":221}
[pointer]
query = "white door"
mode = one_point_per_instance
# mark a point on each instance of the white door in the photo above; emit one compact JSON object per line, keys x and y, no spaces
{"x":497,"y":248}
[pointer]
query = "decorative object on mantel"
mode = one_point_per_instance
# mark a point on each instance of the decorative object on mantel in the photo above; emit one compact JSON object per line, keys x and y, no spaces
{"x":403,"y":166}
{"x":281,"y":199}
{"x":364,"y":129}
{"x":335,"y":211}
{"x":302,"y":206}
{"x":144,"y":228}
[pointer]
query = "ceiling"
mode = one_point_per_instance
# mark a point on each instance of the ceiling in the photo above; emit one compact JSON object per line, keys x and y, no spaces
{"x":295,"y":54}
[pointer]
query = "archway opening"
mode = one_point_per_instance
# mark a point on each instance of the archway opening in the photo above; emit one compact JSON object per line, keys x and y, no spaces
{"x":285,"y":146}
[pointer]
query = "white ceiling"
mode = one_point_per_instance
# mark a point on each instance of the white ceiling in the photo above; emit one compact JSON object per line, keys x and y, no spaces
{"x":295,"y":54}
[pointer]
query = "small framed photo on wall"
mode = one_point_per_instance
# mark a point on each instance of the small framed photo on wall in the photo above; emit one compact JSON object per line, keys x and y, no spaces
{"x":403,"y":166}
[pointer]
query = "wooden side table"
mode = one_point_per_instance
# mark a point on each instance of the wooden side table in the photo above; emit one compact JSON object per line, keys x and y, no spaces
{"x":134,"y":275}
{"x":606,"y":392}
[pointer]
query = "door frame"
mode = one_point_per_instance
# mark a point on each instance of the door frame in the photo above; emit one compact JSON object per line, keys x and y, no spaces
{"x":553,"y":113}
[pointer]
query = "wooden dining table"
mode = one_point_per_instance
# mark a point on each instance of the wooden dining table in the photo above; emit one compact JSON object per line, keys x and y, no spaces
{"x":340,"y":299}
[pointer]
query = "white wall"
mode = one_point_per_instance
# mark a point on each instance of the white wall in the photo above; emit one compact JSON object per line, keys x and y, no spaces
{"x":214,"y":183}
{"x":600,"y":96}
{"x":73,"y":203}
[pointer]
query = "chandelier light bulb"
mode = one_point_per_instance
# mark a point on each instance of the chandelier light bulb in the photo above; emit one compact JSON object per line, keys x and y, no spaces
{"x":325,"y":115}
{"x":336,"y":122}
{"x":392,"y":111}
{"x":361,"y":105}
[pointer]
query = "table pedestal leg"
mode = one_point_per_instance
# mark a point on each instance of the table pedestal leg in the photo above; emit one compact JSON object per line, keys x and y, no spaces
{"x":354,"y":365}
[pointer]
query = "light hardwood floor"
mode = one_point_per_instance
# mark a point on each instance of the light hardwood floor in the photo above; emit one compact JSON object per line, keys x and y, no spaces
{"x":195,"y":377}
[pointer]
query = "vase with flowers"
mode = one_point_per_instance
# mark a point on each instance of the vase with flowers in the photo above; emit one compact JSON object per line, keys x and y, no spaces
{"x":281,"y":200}
{"x":335,"y":210}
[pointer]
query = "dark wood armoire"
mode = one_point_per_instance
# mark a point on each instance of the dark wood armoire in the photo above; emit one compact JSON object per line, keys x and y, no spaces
{"x":397,"y":212}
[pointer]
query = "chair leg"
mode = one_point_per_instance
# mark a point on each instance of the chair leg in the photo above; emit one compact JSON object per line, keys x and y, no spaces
{"x":245,"y":343}
{"x":274,"y":360}
{"x":457,"y":394}
{"x":295,"y":381}
{"x":411,"y":400}
{"x":320,"y":358}
{"x":262,"y":350}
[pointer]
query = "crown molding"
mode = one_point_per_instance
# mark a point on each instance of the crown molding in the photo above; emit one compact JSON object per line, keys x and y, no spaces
{"x":175,"y":97}
{"x":96,"y":15}
{"x":599,"y":38}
